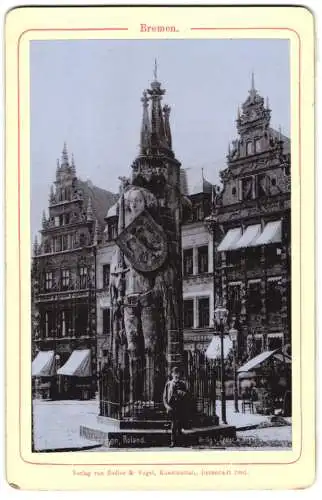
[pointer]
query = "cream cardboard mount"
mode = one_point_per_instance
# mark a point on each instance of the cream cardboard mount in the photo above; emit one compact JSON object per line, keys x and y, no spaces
{"x":151,"y":214}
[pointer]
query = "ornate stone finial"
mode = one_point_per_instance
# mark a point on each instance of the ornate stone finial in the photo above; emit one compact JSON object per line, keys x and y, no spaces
{"x":35,"y":246}
{"x":57,"y":165}
{"x":89,"y":211}
{"x":167,"y":128}
{"x":267,"y":103}
{"x":51,"y":195}
{"x":279,"y":133}
{"x":64,"y":155}
{"x":73,"y":167}
{"x":145,"y":127}
{"x":155,"y":71}
{"x":229,"y":150}
{"x":44,"y":219}
{"x":253,"y":82}
{"x":238,"y":112}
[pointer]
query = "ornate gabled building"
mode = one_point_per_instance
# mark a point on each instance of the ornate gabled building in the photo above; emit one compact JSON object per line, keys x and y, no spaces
{"x":252,"y":225}
{"x":64,"y":284}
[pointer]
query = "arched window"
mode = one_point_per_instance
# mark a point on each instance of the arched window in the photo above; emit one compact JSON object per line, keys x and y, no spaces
{"x":249,"y":148}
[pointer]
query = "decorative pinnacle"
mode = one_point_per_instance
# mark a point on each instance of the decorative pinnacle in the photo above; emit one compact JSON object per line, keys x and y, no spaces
{"x":267,"y":103}
{"x":279,"y":133}
{"x":238,"y":112}
{"x":229,"y":151}
{"x":145,"y":99}
{"x":89,"y":212}
{"x":52,"y":194}
{"x":253,"y":82}
{"x":64,"y":155}
{"x":73,"y":167}
{"x":44,"y":219}
{"x":35,"y":246}
{"x":155,"y":71}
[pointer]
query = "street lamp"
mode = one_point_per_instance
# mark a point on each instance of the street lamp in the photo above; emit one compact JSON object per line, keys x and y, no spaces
{"x":221,"y":315}
{"x":57,"y":359}
{"x":233,"y":337}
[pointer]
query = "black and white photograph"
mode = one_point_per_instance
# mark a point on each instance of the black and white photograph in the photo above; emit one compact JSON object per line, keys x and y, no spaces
{"x":161,"y":245}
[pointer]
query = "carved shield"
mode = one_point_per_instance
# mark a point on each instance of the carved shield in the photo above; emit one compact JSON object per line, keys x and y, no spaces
{"x":144,"y":243}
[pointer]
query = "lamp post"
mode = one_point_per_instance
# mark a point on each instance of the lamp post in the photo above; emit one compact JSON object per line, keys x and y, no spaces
{"x":57,"y":359}
{"x":221,"y":314}
{"x":233,"y":336}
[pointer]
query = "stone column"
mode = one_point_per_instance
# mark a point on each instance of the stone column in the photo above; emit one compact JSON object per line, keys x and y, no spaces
{"x":195,"y":260}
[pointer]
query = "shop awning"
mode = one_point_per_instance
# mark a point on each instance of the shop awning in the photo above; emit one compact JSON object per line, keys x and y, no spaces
{"x":214,"y":349}
{"x":44,"y":364}
{"x":78,"y":364}
{"x":261,"y":358}
{"x":230,"y":239}
{"x":249,"y":236}
{"x":272,"y":233}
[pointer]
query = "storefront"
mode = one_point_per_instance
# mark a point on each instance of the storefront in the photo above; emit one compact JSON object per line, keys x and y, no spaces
{"x":75,"y":376}
{"x":269,"y":374}
{"x":43,"y":374}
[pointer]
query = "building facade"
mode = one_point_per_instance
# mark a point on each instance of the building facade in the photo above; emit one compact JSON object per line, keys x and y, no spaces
{"x":252,"y":221}
{"x":64,"y":285}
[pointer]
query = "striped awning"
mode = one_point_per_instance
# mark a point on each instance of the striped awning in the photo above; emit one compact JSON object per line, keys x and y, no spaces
{"x":78,"y":364}
{"x":44,"y":364}
{"x":230,"y":240}
{"x":249,"y":236}
{"x":272,"y":233}
{"x":261,"y":358}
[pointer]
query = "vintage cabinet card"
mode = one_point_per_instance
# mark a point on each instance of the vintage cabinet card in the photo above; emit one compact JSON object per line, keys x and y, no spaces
{"x":160,"y":248}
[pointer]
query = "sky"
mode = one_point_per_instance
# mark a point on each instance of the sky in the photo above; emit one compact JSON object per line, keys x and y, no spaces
{"x":87,"y":93}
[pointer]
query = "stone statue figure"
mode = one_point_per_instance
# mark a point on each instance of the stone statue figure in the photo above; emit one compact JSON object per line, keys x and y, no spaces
{"x":136,"y":299}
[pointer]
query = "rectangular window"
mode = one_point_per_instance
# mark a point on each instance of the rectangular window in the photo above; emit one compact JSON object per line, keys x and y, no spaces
{"x":203,"y":260}
{"x":46,"y":325}
{"x":57,"y":221}
{"x":83,"y":277}
{"x":203,"y":312}
{"x":64,"y":242}
{"x":65,"y":275}
{"x":48,"y":281}
{"x":106,"y":321}
{"x":253,"y":256}
{"x":188,"y":262}
{"x":56,"y":244}
{"x":81,"y":321}
{"x":274,"y":341}
{"x":106,"y":275}
{"x":257,"y":145}
{"x":234,"y":300}
{"x":255,"y":345}
{"x":247,"y":188}
{"x":233,"y":258}
{"x":273,"y":297}
{"x":273,"y":255}
{"x":254,"y":303}
{"x":188,"y":313}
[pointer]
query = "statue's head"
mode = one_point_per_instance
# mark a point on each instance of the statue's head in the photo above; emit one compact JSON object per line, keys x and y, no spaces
{"x":135,"y":200}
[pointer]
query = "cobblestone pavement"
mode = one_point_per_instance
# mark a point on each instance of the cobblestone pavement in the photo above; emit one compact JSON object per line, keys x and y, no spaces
{"x":57,"y":424}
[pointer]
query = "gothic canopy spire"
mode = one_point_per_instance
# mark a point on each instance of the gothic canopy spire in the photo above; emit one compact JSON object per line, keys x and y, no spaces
{"x":64,"y":156}
{"x":145,"y":128}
